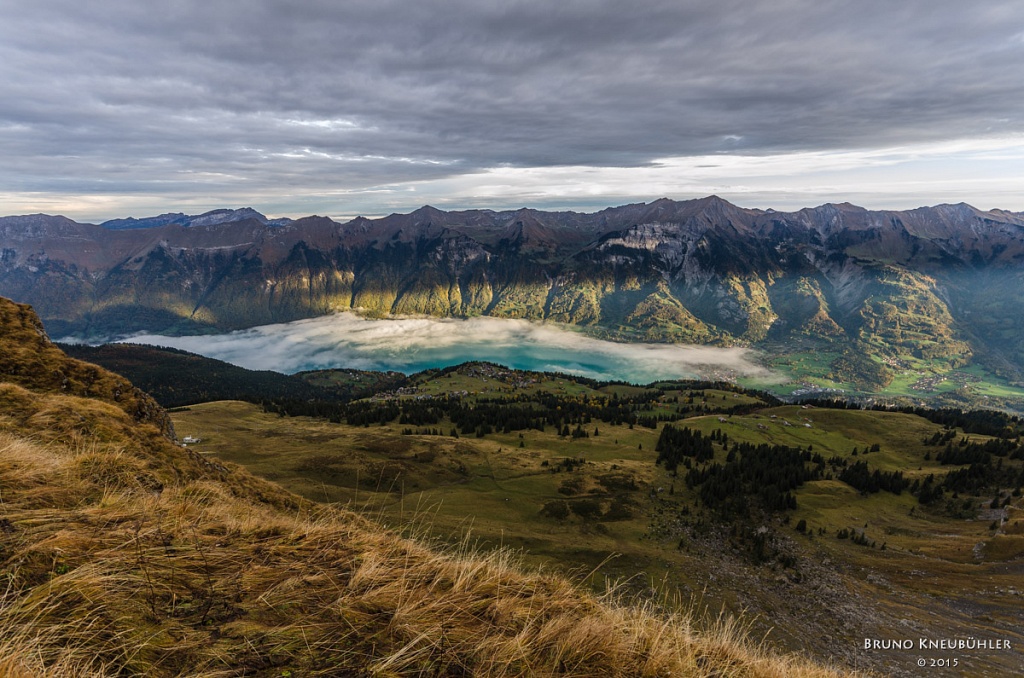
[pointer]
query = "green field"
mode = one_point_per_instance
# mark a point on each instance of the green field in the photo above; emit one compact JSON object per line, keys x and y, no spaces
{"x":934,"y":381}
{"x":631,"y":521}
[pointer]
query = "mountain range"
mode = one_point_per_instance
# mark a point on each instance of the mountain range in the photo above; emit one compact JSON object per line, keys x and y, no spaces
{"x":932,"y":284}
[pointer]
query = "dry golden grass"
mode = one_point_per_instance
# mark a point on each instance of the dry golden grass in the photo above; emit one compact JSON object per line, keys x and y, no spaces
{"x":29,"y":359}
{"x":124,"y":554}
{"x":199,"y":579}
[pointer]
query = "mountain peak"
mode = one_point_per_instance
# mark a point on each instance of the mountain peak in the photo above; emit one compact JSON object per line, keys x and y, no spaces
{"x":224,"y":216}
{"x":211,"y":218}
{"x":428,"y":210}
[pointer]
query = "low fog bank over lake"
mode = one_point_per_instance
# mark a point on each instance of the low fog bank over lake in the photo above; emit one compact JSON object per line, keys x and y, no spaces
{"x":413,"y":344}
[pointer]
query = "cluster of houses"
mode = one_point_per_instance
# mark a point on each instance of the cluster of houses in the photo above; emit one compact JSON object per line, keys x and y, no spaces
{"x":931,"y":382}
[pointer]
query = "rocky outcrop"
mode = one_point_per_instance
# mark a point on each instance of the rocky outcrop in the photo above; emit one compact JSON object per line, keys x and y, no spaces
{"x":29,"y":359}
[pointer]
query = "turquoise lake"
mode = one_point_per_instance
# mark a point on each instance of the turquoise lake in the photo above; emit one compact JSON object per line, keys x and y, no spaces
{"x":412,"y":344}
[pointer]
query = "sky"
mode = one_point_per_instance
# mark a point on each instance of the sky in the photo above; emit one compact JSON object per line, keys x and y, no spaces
{"x":115,"y":108}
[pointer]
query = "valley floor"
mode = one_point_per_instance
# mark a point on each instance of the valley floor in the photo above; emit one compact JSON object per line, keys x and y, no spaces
{"x":934,"y":578}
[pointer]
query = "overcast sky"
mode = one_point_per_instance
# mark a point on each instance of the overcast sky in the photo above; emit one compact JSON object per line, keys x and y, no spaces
{"x":113,"y":108}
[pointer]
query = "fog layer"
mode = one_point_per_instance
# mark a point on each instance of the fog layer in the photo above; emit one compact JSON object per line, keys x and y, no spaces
{"x":413,"y":344}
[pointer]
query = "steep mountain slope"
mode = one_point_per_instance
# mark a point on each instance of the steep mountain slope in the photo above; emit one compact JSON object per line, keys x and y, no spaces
{"x":29,"y":360}
{"x":126,"y":554}
{"x":916,"y":284}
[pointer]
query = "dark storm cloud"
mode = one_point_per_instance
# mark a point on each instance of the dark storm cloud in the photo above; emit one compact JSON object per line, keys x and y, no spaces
{"x":260,"y":96}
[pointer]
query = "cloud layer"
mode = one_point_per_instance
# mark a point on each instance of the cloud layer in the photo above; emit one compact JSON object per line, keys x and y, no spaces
{"x":364,"y":106}
{"x":413,"y":344}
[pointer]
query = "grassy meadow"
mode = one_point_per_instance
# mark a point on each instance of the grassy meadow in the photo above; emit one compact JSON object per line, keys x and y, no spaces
{"x":632,"y":522}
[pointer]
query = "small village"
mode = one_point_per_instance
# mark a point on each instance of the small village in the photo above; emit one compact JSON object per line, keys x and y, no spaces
{"x":932,"y":382}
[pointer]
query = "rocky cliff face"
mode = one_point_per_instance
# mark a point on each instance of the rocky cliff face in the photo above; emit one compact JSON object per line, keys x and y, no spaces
{"x":932,"y":282}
